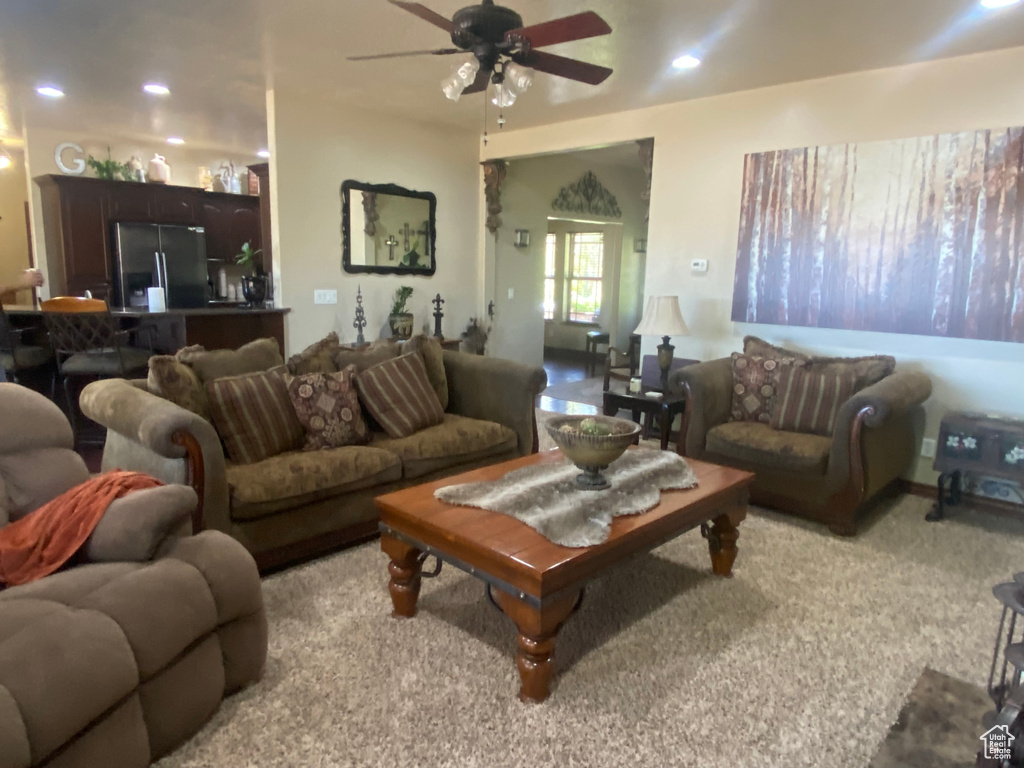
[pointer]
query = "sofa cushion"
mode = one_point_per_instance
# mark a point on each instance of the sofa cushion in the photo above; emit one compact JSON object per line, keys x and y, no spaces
{"x":755,"y":383}
{"x":259,"y":355}
{"x":430,"y":351}
{"x":456,"y":440}
{"x":327,"y":406}
{"x":107,"y":362}
{"x":297,"y":474}
{"x":26,"y":488}
{"x":254,"y":415}
{"x":867,"y":370}
{"x":316,"y":358}
{"x":756,"y":444}
{"x":809,"y":399}
{"x":367,"y":357}
{"x":175,"y":381}
{"x":398,"y":395}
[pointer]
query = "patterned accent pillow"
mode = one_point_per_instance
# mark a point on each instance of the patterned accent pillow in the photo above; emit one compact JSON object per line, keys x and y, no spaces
{"x":866,"y":370}
{"x":398,"y":395}
{"x":177,"y":382}
{"x":755,"y":383}
{"x":254,"y":416}
{"x":328,"y":409}
{"x":430,"y":350}
{"x":316,"y":358}
{"x":809,"y":399}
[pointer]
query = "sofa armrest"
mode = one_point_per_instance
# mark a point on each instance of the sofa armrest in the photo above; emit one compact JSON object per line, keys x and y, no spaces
{"x":169,"y":431}
{"x":872,"y":408}
{"x":707,"y":388}
{"x":496,"y":390}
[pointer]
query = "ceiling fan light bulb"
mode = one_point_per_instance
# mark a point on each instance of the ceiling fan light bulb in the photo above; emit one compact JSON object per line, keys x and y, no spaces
{"x":467,"y":72}
{"x":520,"y":78}
{"x":503,"y":96}
{"x":5,"y":162}
{"x":452,"y":87}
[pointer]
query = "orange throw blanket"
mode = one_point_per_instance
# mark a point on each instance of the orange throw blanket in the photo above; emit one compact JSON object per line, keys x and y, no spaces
{"x":45,"y":539}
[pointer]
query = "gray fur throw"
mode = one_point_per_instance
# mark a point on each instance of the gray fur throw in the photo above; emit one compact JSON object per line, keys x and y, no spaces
{"x":546,"y":498}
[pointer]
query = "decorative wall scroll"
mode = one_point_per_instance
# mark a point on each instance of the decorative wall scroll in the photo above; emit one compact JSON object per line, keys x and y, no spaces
{"x":919,"y":236}
{"x":494,"y":176}
{"x":587,"y":196}
{"x":370,"y":215}
{"x":646,"y":151}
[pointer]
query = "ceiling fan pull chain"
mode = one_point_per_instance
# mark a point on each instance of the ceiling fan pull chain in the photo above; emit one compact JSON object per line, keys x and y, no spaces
{"x":485,"y":118}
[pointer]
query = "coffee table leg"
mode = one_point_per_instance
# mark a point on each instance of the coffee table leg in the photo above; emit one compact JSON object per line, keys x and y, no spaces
{"x":722,"y":544}
{"x":535,"y":646}
{"x":405,"y":567}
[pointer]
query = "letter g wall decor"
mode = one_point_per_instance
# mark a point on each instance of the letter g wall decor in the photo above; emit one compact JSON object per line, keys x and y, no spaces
{"x":588,"y":196}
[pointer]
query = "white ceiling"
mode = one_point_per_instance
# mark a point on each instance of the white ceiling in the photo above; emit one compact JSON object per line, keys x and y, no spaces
{"x":220,"y":57}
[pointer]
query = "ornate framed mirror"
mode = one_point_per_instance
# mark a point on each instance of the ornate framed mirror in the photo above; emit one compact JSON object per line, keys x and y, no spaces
{"x":387,"y":229}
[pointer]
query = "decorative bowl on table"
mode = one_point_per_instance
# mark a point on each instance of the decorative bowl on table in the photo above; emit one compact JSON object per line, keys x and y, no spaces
{"x":592,"y":443}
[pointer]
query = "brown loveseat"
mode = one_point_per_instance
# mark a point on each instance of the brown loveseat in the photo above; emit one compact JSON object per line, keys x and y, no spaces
{"x":302,"y":503}
{"x":115,"y":663}
{"x":823,"y":478}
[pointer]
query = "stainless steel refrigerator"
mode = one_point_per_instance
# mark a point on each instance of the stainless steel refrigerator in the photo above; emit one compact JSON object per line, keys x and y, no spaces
{"x":160,"y":255}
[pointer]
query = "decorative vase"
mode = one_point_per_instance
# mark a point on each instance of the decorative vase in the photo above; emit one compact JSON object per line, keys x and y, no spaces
{"x":159,"y":170}
{"x":592,"y":451}
{"x":401,"y":325}
{"x":254,"y":288}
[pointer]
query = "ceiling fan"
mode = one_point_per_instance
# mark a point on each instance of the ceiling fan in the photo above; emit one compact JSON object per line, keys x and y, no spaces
{"x":504,"y":51}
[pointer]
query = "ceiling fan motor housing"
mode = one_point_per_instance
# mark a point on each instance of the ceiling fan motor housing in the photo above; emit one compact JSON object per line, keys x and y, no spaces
{"x":487,"y":21}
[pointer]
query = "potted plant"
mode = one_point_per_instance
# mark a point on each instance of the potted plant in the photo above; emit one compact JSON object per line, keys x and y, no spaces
{"x":254,"y":286}
{"x":109,"y":169}
{"x":401,"y":322}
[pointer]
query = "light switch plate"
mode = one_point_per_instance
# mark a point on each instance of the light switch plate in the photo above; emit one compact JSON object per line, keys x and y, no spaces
{"x":323,"y":296}
{"x":699,"y":265}
{"x":928,"y":448}
{"x":511,"y":293}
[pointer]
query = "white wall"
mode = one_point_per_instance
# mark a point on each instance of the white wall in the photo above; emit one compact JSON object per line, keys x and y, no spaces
{"x":531,"y":185}
{"x":185,"y":161}
{"x":698,"y":165}
{"x":13,"y":233}
{"x":317,"y":145}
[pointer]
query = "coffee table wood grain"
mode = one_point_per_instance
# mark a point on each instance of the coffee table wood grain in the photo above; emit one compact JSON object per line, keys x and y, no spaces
{"x":536,"y":582}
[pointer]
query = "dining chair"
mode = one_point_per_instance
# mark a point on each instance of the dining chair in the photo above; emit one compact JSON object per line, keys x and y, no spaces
{"x":88,"y":342}
{"x":16,"y":357}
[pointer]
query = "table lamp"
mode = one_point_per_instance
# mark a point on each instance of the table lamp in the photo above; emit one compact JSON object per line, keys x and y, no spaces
{"x":662,"y":317}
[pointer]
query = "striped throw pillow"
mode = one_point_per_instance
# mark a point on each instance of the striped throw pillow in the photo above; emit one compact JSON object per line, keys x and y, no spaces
{"x":808,"y":399}
{"x":398,"y":395}
{"x":254,"y":415}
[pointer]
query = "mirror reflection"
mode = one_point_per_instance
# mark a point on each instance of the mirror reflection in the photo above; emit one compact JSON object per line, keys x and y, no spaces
{"x":387,"y":229}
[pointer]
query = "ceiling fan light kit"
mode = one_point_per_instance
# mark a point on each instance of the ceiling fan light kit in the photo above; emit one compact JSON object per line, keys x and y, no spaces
{"x":504,"y":52}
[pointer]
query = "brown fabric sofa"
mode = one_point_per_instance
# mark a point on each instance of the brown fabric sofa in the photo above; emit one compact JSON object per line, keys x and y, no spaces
{"x":114,"y":663}
{"x":827,"y":479}
{"x":302,"y":503}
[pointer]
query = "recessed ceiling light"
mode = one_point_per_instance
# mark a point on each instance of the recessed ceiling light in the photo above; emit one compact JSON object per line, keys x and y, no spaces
{"x":50,"y":92}
{"x":998,"y":3}
{"x":156,"y":89}
{"x":5,"y":160}
{"x":686,"y":62}
{"x":263,"y":153}
{"x":175,"y":140}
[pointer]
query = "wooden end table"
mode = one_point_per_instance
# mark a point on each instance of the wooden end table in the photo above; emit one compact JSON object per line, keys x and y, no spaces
{"x":664,"y":408}
{"x":536,"y":583}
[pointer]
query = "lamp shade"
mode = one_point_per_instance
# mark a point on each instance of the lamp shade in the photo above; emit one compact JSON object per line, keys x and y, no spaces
{"x":662,"y":318}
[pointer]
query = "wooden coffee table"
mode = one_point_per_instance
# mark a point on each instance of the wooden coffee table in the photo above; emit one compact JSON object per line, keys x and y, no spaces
{"x":536,"y":583}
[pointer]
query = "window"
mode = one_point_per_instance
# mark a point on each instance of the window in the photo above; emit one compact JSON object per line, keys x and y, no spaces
{"x":550,"y":261}
{"x":586,"y":262}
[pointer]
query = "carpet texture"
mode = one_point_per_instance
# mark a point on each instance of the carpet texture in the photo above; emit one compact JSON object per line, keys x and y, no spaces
{"x":803,"y":658}
{"x":546,"y":498}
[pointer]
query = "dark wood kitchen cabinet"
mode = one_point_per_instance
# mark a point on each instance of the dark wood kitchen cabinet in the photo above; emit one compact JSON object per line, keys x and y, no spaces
{"x":79,"y":215}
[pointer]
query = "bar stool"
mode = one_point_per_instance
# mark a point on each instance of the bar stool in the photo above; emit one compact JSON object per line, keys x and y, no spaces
{"x":593,"y":339}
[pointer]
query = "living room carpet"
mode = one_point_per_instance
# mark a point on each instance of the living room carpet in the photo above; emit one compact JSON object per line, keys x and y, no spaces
{"x":804,"y":658}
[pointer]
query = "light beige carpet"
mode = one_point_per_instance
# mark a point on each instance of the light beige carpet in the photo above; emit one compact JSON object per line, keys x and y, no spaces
{"x":803,"y":658}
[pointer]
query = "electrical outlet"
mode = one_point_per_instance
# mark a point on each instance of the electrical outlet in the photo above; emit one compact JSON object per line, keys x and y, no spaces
{"x":699,"y":265}
{"x":928,"y":448}
{"x":323,"y":296}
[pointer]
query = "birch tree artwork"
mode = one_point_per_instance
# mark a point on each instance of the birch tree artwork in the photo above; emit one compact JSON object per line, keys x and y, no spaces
{"x":918,"y":236}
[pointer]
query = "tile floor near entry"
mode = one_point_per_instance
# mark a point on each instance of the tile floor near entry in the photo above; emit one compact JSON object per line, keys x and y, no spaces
{"x":564,"y":369}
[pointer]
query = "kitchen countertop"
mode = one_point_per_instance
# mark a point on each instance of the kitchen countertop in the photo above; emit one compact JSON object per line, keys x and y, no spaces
{"x":28,"y":309}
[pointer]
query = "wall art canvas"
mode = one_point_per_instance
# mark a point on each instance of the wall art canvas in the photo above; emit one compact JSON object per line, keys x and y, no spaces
{"x":920,"y":236}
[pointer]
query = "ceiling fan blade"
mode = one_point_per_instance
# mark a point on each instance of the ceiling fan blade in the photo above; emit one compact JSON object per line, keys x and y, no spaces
{"x":427,"y":15}
{"x":439,"y":52}
{"x":572,"y":69}
{"x":483,"y":79}
{"x":577,"y":27}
